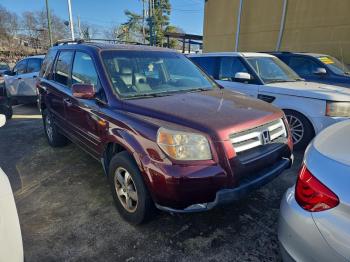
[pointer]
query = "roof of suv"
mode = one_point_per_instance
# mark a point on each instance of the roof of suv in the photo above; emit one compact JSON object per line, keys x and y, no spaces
{"x":242,"y":54}
{"x":108,"y":46}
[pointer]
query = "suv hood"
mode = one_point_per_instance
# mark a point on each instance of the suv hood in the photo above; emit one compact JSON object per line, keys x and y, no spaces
{"x":215,"y":112}
{"x":308,"y":89}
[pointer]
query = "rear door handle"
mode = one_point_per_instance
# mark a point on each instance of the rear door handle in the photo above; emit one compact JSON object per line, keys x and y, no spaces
{"x":35,"y":76}
{"x":67,"y":101}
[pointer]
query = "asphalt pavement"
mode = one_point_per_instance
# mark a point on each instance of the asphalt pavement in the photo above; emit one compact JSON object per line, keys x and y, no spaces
{"x":67,"y":213}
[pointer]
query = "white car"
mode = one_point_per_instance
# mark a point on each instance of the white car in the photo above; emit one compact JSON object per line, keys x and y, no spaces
{"x":11,"y":247}
{"x":309,"y":107}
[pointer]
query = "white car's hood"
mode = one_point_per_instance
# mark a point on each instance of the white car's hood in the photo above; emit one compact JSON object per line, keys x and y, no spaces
{"x":308,"y":89}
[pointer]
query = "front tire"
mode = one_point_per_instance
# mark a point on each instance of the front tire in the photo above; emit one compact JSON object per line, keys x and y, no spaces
{"x":301,"y":129}
{"x":129,"y":191}
{"x":54,"y":137}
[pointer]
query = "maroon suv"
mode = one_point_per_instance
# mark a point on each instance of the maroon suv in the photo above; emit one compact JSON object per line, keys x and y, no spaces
{"x":165,"y":133}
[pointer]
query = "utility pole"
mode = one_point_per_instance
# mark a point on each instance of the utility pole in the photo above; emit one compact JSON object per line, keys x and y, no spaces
{"x":48,"y":21}
{"x":150,"y":21}
{"x":71,"y":19}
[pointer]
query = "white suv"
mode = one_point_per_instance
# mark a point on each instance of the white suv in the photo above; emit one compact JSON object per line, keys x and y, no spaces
{"x":309,"y":107}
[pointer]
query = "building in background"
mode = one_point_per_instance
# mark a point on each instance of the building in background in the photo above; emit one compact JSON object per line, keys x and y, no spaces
{"x":320,"y":26}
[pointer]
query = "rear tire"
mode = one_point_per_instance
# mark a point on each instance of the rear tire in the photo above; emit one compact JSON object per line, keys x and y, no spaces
{"x":129,"y":191}
{"x":54,"y":137}
{"x":301,"y":129}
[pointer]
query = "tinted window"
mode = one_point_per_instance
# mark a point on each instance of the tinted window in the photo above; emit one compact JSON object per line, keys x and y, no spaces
{"x":34,"y":65}
{"x":302,"y":65}
{"x":208,"y":64}
{"x":229,"y":66}
{"x":63,"y":66}
{"x":47,"y":64}
{"x":20,"y":67}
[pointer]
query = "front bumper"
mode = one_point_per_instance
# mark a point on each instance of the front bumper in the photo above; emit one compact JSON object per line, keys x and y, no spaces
{"x":299,"y":237}
{"x":225,"y":196}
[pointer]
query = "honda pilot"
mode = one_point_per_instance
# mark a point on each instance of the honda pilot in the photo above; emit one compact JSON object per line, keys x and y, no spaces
{"x":167,"y":136}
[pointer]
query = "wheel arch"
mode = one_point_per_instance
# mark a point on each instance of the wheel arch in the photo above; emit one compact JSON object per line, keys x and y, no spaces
{"x":307,"y":117}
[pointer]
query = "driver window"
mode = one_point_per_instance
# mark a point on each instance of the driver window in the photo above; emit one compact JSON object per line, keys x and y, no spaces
{"x":303,"y":66}
{"x":229,"y":66}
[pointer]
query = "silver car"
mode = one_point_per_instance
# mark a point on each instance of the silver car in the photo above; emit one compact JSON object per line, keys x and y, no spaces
{"x":314,"y":223}
{"x":20,"y":82}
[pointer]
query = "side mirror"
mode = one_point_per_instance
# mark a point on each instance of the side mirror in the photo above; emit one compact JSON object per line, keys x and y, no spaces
{"x":320,"y":71}
{"x":83,"y":91}
{"x":2,"y":120}
{"x":243,"y":76}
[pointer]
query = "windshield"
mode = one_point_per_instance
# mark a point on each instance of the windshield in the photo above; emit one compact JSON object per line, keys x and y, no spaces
{"x":272,"y":70}
{"x":153,"y":73}
{"x":335,"y":65}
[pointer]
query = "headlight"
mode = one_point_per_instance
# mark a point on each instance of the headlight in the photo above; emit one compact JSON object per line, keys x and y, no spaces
{"x":338,"y":109}
{"x":182,"y":145}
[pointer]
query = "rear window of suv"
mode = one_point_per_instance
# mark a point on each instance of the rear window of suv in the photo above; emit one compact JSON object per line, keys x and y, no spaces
{"x":144,"y":73}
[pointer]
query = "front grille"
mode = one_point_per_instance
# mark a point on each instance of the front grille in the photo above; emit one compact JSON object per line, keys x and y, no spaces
{"x":273,"y":132}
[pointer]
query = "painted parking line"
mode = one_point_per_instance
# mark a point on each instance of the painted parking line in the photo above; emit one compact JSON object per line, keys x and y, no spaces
{"x":26,"y":116}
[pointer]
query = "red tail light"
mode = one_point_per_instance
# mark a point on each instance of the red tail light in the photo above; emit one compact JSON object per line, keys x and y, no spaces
{"x":311,"y":194}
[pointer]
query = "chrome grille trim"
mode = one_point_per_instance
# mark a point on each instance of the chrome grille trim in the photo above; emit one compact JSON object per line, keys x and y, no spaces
{"x":251,"y":138}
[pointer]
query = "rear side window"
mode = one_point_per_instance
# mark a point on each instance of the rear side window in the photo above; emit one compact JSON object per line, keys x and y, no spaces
{"x":62,"y":69}
{"x":302,"y":65}
{"x":208,"y":64}
{"x":229,"y":67}
{"x":21,"y":67}
{"x":34,"y":65}
{"x":47,"y":64}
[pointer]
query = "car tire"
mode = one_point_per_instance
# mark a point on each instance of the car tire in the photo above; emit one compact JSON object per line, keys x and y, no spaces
{"x":129,"y":191}
{"x":301,"y":129}
{"x":54,"y":137}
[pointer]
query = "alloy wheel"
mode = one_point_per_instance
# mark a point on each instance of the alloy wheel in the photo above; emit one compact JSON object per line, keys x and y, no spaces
{"x":125,"y":189}
{"x":296,"y":128}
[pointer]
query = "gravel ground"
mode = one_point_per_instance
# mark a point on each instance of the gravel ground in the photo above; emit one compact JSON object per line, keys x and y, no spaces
{"x":67,"y":212}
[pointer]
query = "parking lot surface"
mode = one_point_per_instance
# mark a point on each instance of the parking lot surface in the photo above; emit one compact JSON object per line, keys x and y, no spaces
{"x":67,"y":213}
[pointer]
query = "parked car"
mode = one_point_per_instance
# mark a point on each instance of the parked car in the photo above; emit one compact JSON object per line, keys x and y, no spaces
{"x":20,"y":82}
{"x":5,"y":102}
{"x":317,"y":67}
{"x":3,"y":68}
{"x":11,"y":247}
{"x":165,"y":133}
{"x":309,"y":107}
{"x":314,"y":222}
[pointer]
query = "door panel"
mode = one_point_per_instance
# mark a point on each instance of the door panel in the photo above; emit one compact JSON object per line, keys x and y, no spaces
{"x":83,"y":115}
{"x":58,"y":90}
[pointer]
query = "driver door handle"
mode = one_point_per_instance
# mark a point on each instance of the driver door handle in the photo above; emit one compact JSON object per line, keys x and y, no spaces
{"x":68,"y":101}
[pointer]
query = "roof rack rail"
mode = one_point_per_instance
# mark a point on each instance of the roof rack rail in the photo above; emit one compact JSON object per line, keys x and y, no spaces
{"x":113,"y":41}
{"x":94,"y":40}
{"x":68,"y":41}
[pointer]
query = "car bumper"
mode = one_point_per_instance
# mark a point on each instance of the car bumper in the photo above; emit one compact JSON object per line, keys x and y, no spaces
{"x":299,"y":237}
{"x":321,"y":123}
{"x":226,"y":196}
